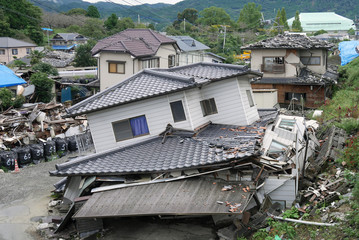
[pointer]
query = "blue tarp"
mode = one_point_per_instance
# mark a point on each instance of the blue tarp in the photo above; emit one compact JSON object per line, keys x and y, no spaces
{"x":63,"y":47}
{"x":66,"y":94}
{"x":347,"y":51}
{"x":47,"y":29}
{"x":8,"y":78}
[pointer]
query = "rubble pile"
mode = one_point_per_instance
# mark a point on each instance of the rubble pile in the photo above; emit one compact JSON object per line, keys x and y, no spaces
{"x":58,"y":59}
{"x":36,"y":132}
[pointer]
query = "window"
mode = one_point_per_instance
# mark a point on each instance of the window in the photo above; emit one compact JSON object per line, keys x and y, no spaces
{"x":28,"y":50}
{"x":287,"y":124}
{"x":250,"y":98}
{"x":116,"y":67}
{"x":310,"y":60}
{"x":208,"y":107}
{"x":273,"y":64}
{"x":151,"y":63}
{"x":171,"y":61}
{"x":2,"y":51}
{"x":14,"y":51}
{"x":178,"y":111}
{"x":130,"y":128}
{"x":290,"y":95}
{"x":276,"y":147}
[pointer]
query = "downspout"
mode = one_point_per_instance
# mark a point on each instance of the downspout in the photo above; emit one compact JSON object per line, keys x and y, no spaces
{"x":133,"y":66}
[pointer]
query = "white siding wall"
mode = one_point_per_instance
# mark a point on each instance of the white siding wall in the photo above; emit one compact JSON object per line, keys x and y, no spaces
{"x":265,"y":98}
{"x":163,"y":52}
{"x":285,"y":191}
{"x":191,"y":57}
{"x":316,"y":53}
{"x":230,"y":97}
{"x":158,"y":115}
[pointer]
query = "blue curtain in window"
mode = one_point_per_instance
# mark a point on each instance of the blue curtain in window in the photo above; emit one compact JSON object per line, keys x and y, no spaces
{"x":139,"y":126}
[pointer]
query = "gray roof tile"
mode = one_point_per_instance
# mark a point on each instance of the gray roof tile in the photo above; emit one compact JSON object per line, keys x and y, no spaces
{"x":151,"y":83}
{"x":215,"y":144}
{"x":8,"y":42}
{"x":187,"y":44}
{"x":290,"y":41}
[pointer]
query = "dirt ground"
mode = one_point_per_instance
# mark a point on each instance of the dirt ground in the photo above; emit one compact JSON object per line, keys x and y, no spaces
{"x":24,"y":196}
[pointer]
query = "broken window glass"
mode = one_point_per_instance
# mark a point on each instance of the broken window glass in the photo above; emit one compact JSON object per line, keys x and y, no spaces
{"x":290,"y":95}
{"x":276,"y":147}
{"x":273,"y":64}
{"x":287,"y":124}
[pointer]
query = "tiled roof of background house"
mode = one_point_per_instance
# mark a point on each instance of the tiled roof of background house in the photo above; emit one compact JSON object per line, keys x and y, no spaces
{"x":155,"y":82}
{"x":69,"y":36}
{"x":8,"y":42}
{"x":186,"y":43}
{"x":290,"y":41}
{"x":137,"y":42}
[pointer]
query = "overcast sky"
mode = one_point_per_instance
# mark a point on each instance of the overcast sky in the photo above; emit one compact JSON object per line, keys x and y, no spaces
{"x":138,"y":2}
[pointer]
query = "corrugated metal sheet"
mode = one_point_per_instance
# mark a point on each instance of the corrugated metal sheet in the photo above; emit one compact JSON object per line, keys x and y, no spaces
{"x":188,"y":197}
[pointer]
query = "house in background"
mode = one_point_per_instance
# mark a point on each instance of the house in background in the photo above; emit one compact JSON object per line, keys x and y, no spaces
{"x":296,"y":66}
{"x":128,"y":52}
{"x":328,"y":21}
{"x":67,"y":41}
{"x":185,"y":97}
{"x":10,"y":48}
{"x":193,"y":51}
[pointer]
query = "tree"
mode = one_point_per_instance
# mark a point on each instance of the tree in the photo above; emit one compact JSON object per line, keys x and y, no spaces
{"x":190,"y":14}
{"x":283,"y":19}
{"x":92,"y":12}
{"x":296,"y":25}
{"x":43,"y":87}
{"x":214,"y":16}
{"x":250,"y":16}
{"x":125,"y":23}
{"x":83,"y":56}
{"x":77,"y":11}
{"x":93,"y":28}
{"x":5,"y":30}
{"x":45,"y":68}
{"x":19,"y":63}
{"x":111,"y":22}
{"x":5,"y":98}
{"x":151,"y":26}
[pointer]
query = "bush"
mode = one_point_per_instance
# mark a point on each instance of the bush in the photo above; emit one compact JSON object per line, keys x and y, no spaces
{"x":350,"y":125}
{"x":351,"y":154}
{"x":45,"y":68}
{"x":6,"y":98}
{"x":43,"y":87}
{"x":19,"y":101}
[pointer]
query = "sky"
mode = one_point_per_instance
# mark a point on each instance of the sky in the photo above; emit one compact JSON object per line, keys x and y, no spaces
{"x":137,"y":2}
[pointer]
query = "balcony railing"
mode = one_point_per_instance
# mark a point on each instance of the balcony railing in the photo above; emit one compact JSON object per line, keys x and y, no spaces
{"x":273,"y":68}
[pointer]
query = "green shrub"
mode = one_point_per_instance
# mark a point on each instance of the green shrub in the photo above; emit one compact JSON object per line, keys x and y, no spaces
{"x":43,"y":87}
{"x":45,"y":68}
{"x":19,"y":101}
{"x":350,"y":125}
{"x":351,"y":153}
{"x":6,"y":98}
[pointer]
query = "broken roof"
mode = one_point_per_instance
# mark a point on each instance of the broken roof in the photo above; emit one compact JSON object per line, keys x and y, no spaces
{"x":290,"y":41}
{"x":186,"y":197}
{"x":306,"y":77}
{"x":216,"y":144}
{"x":186,"y":43}
{"x":137,"y":42}
{"x":8,"y":42}
{"x":155,"y":82}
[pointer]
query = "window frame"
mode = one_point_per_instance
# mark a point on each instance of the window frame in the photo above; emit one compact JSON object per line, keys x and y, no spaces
{"x":117,"y":62}
{"x":172,"y":60}
{"x":150,"y":62}
{"x":2,"y":51}
{"x":173,"y":115}
{"x":278,"y":61}
{"x":213,"y":108}
{"x":28,"y":50}
{"x":310,"y":58}
{"x":250,"y":98}
{"x":130,"y":128}
{"x":14,"y":50}
{"x":286,"y":94}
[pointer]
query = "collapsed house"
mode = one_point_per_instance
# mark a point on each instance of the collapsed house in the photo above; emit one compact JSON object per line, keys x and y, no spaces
{"x":296,"y":67}
{"x":218,"y":156}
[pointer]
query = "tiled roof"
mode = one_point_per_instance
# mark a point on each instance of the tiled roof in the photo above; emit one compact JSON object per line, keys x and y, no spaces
{"x":8,"y":42}
{"x":290,"y":41}
{"x":155,"y":82}
{"x":214,"y":145}
{"x":68,"y":36}
{"x":137,"y":42}
{"x":187,"y":44}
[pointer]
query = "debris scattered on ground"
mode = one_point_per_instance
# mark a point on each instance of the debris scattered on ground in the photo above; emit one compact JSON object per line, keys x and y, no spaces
{"x":58,"y":59}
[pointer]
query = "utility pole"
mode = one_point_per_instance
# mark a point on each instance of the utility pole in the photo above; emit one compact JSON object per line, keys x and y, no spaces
{"x":356,"y":23}
{"x":184,"y":24}
{"x":224,"y":39}
{"x":138,"y":19}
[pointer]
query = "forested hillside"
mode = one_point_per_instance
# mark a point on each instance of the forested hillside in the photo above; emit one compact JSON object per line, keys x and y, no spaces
{"x":162,"y":13}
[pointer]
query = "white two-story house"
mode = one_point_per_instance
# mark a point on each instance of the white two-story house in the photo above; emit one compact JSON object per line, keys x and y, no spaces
{"x":128,"y":52}
{"x":185,"y":97}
